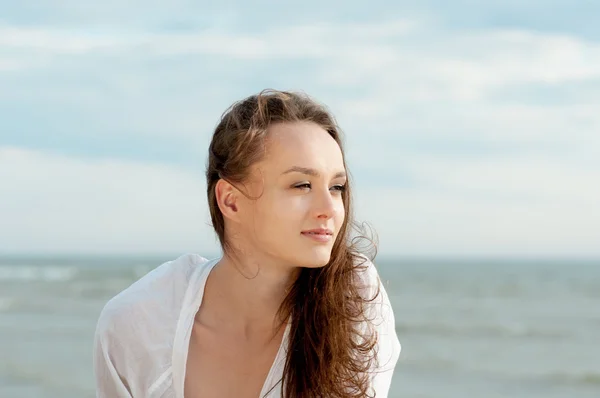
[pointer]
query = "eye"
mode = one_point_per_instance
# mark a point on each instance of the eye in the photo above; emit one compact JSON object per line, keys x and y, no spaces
{"x":335,"y":188}
{"x":339,"y":188}
{"x":305,"y":185}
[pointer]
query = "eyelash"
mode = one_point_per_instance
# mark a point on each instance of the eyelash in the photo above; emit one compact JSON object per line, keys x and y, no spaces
{"x":339,"y":188}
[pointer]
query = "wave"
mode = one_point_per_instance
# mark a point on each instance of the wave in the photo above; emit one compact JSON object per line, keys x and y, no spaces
{"x":590,"y":378}
{"x":55,"y":379}
{"x":462,"y":330}
{"x":6,"y":303}
{"x":28,"y":273}
{"x":104,"y":289}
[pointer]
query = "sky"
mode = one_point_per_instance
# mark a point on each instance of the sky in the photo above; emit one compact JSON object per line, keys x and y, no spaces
{"x":472,"y":128}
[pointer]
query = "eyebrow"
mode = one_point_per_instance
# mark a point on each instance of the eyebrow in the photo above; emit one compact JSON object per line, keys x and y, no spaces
{"x":311,"y":172}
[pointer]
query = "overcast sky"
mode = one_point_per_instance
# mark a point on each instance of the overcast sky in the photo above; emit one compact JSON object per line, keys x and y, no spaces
{"x":473,"y":128}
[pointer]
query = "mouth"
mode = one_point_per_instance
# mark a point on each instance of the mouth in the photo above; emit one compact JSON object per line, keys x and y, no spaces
{"x":318,"y":231}
{"x":321,"y":235}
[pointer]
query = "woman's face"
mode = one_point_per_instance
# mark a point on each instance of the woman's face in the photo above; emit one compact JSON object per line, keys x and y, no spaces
{"x":300,"y":210}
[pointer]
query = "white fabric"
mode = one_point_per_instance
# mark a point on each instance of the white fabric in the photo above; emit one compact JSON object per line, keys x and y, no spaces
{"x":143,"y":333}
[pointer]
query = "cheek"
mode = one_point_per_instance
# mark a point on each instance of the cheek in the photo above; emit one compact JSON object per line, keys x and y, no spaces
{"x":340,"y":213}
{"x":277,"y":212}
{"x":288,"y":207}
{"x":275,"y":225}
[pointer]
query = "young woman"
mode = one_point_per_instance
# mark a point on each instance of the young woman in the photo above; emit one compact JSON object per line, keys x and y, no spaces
{"x":291,"y":309}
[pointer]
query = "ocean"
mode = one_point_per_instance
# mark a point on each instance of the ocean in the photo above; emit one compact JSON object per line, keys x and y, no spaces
{"x":468,"y":328}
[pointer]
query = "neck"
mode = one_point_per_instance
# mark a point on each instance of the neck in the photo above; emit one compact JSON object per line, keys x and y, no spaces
{"x":247,"y":292}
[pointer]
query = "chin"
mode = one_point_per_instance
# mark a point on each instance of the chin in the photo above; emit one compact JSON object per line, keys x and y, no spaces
{"x":316,"y":258}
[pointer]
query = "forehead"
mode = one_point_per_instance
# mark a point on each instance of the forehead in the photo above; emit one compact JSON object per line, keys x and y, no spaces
{"x":304,"y":144}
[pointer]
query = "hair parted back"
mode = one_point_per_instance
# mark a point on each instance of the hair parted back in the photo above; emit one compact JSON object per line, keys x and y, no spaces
{"x":330,"y":351}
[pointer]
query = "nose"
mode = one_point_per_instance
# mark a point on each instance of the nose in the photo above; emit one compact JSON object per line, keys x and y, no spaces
{"x":325,"y":205}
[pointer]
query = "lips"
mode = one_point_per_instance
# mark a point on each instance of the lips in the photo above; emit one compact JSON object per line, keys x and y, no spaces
{"x":319,"y":235}
{"x":318,"y":231}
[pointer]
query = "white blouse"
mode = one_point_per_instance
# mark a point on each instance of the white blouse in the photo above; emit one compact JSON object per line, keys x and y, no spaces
{"x":143,"y":333}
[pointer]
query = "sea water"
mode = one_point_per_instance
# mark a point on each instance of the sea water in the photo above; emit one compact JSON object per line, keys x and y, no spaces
{"x":468,"y":328}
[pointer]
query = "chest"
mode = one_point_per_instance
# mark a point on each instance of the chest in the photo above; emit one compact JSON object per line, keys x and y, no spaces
{"x":218,"y":366}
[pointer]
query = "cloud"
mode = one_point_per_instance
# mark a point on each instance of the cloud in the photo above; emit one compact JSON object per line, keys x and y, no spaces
{"x":395,"y":73}
{"x":138,"y":84}
{"x":433,"y":224}
{"x":185,"y":14}
{"x":451,"y":87}
{"x":8,"y":64}
{"x":296,"y":42}
{"x":57,"y":41}
{"x":519,"y":205}
{"x":63,"y":204}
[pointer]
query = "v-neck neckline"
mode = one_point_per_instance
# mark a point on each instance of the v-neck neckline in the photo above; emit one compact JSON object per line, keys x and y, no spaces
{"x":281,"y":351}
{"x":190,"y":306}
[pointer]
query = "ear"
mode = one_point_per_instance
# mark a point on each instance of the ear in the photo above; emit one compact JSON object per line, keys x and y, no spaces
{"x":227,"y":199}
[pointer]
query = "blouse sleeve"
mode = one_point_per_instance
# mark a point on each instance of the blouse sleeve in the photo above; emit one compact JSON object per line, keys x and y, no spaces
{"x":110,"y":380}
{"x":388,"y":344}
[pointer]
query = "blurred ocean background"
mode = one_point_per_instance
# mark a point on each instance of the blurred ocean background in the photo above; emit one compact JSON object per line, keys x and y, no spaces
{"x":469,"y":328}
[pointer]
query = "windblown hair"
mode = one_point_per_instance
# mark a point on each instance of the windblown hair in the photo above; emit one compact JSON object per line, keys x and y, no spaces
{"x":330,"y":350}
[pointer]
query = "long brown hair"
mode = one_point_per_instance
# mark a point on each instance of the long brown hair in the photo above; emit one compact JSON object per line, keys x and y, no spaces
{"x":330,"y":351}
